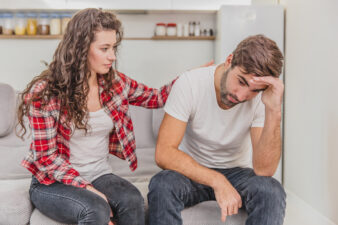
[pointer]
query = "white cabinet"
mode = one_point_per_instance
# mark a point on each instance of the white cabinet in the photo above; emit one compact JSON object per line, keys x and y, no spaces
{"x":120,"y":4}
{"x":205,"y":5}
{"x":32,"y":4}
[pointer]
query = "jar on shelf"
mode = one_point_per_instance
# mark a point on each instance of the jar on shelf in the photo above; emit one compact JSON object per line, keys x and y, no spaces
{"x":197,"y":31}
{"x":43,"y":24}
{"x":65,"y":18}
{"x":32,"y":26}
{"x":8,"y":24}
{"x":171,"y":29}
{"x":55,"y":24}
{"x":160,"y":29}
{"x":1,"y":23}
{"x":20,"y":24}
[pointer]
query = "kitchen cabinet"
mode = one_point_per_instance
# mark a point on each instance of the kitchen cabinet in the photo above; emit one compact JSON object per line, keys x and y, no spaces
{"x":121,"y":4}
{"x":205,"y":5}
{"x":32,"y":4}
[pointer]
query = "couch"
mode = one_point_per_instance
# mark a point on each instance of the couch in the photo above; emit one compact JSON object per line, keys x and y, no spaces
{"x":15,"y":205}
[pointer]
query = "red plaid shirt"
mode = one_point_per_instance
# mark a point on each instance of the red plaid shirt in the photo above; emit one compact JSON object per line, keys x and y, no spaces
{"x":48,"y":158}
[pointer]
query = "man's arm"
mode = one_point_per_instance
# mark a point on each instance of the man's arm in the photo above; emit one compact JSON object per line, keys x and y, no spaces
{"x":169,"y":157}
{"x":266,"y":141}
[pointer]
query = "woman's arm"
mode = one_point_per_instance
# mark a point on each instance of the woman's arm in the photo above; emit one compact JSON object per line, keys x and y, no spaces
{"x":142,"y":95}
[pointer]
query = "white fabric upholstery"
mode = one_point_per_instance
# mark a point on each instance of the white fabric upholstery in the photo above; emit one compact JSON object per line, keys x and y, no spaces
{"x":158,"y":115}
{"x":142,"y":120}
{"x":15,"y":207}
{"x":13,"y":150}
{"x":209,"y":213}
{"x":145,"y":170}
{"x":7,"y":109}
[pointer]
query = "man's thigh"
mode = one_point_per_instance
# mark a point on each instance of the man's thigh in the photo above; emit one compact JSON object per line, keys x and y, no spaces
{"x":181,"y":188}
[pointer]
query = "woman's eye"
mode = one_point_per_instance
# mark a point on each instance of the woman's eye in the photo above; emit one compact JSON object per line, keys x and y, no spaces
{"x":104,"y":49}
{"x":241,"y":82}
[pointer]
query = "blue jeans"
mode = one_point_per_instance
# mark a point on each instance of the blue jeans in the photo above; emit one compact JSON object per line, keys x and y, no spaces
{"x":69,"y":204}
{"x":170,"y":192}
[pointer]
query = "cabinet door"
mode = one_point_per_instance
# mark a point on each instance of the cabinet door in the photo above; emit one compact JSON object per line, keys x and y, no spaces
{"x":120,"y":4}
{"x":32,"y":4}
{"x":205,"y":5}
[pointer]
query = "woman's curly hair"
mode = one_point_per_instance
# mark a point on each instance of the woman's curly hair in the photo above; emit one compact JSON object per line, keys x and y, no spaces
{"x":67,"y":75}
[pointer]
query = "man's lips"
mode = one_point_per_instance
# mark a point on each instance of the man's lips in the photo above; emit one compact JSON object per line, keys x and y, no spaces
{"x":231,"y":99}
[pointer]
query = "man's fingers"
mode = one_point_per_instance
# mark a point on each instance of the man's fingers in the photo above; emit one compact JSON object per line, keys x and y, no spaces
{"x":235,"y":211}
{"x":224,"y":214}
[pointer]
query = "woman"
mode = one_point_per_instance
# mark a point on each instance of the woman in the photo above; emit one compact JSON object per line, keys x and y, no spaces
{"x":78,"y":109}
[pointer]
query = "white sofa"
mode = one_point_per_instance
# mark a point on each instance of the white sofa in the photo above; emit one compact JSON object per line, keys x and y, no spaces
{"x":15,"y":205}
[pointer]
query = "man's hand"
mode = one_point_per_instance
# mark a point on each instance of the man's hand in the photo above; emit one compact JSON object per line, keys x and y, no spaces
{"x":227,"y":198}
{"x":272,"y":97}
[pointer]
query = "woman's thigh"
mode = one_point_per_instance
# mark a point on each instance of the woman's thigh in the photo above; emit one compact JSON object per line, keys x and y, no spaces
{"x":69,"y":204}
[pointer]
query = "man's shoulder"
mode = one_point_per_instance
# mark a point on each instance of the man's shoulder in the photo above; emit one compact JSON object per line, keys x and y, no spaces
{"x":197,"y":76}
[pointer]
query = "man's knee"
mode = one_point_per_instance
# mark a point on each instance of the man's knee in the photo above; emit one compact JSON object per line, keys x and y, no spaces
{"x":166,"y":181}
{"x":267,"y":189}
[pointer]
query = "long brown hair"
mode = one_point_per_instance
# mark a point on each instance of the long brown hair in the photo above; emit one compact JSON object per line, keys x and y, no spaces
{"x":67,"y":75}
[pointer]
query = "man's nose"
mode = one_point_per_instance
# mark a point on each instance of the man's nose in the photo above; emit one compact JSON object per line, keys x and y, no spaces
{"x":242,"y":95}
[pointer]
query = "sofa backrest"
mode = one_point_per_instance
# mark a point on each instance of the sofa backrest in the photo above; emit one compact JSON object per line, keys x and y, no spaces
{"x":12,"y":148}
{"x":7,"y":109}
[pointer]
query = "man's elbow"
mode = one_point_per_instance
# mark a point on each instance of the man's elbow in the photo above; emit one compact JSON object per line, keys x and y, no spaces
{"x":160,"y":156}
{"x":264,"y":172}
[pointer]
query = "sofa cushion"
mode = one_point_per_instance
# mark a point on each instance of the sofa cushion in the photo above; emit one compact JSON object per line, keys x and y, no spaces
{"x":13,"y":150}
{"x":142,"y":120}
{"x":209,"y":213}
{"x":158,"y":115}
{"x":15,"y":205}
{"x":145,"y":170}
{"x":7,"y":109}
{"x":38,"y":218}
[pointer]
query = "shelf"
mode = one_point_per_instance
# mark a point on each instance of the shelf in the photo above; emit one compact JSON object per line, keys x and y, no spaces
{"x":125,"y":38}
{"x":183,"y":38}
{"x":30,"y":36}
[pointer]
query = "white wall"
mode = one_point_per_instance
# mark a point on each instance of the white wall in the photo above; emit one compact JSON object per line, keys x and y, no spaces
{"x":311,"y":108}
{"x":149,"y":61}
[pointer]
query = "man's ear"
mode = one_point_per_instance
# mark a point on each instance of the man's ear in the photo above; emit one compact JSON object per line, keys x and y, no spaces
{"x":228,"y":61}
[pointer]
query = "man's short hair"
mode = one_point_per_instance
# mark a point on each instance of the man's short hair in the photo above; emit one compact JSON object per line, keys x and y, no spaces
{"x":258,"y":55}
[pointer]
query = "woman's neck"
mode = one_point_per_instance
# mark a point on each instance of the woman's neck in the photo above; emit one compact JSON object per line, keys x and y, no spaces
{"x":92,"y":81}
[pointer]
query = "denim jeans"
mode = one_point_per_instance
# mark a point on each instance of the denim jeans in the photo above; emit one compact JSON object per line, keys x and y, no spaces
{"x":170,"y":192}
{"x":69,"y":204}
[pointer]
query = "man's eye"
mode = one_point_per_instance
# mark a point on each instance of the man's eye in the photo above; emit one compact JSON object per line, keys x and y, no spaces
{"x":104,"y":49}
{"x":241,"y":82}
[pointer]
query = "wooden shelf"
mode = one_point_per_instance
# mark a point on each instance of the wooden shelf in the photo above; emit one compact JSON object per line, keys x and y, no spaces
{"x":125,"y":38}
{"x":30,"y":36}
{"x":183,"y":38}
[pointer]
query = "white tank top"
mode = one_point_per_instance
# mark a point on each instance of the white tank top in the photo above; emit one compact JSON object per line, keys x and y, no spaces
{"x":89,"y":152}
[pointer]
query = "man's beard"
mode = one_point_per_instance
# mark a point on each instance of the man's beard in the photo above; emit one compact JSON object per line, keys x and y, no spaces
{"x":224,"y":93}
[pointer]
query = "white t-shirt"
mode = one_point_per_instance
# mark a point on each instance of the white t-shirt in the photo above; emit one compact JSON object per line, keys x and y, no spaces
{"x":214,"y":137}
{"x":89,"y":153}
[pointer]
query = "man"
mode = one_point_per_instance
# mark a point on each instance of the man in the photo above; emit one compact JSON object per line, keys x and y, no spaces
{"x":214,"y":117}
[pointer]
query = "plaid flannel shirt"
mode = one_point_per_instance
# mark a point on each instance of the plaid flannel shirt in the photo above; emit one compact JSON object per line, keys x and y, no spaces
{"x":48,"y":158}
